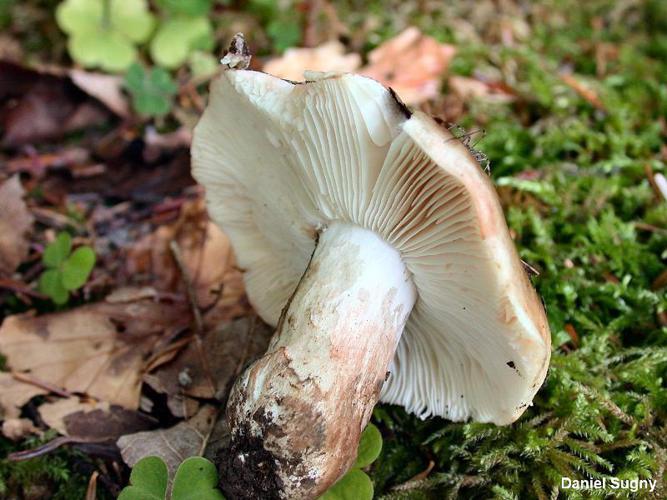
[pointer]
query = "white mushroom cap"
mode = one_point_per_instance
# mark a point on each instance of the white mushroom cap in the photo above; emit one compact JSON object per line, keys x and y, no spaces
{"x":280,"y":161}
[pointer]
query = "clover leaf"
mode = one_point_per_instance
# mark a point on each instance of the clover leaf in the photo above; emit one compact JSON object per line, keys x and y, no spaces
{"x":103,"y":33}
{"x":178,"y":37}
{"x":50,"y":283}
{"x":202,"y":64}
{"x":152,"y":91}
{"x":65,"y":270}
{"x":148,"y":480}
{"x":56,"y":252}
{"x":370,"y":446}
{"x":195,"y":479}
{"x":192,"y":8}
{"x":356,"y":485}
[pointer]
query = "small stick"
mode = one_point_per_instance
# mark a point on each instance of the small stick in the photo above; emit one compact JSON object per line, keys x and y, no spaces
{"x":19,"y":456}
{"x":189,"y":288}
{"x":24,"y":377}
{"x":91,"y":491}
{"x":198,"y":322}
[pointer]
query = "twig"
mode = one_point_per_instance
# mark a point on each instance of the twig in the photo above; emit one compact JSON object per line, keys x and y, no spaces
{"x":423,"y":474}
{"x":24,"y":377}
{"x":642,"y":226}
{"x":189,"y":288}
{"x":198,"y":323}
{"x":91,"y":491}
{"x":18,"y":287}
{"x":252,"y":321}
{"x":584,"y":91}
{"x":206,"y":437}
{"x":19,"y":456}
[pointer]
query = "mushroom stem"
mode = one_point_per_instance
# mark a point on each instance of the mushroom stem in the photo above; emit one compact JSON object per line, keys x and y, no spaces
{"x":297,"y":413}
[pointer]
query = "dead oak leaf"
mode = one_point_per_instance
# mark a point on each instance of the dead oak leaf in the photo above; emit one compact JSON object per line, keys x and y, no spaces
{"x":105,"y":88}
{"x":207,"y":256}
{"x":98,"y":349}
{"x":15,"y":225}
{"x":92,"y":421}
{"x":471,"y":88}
{"x":173,"y":445}
{"x":329,"y":56}
{"x":18,"y":428}
{"x":410,"y":63}
{"x":14,"y":394}
{"x":207,"y":370}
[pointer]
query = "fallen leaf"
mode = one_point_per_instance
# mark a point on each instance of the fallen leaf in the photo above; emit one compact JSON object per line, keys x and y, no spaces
{"x":14,"y":394}
{"x":329,"y":56}
{"x":42,"y":105}
{"x":98,"y":349}
{"x":130,"y":294}
{"x":227,"y":350}
{"x":105,"y":88}
{"x":172,"y":445}
{"x":412,"y":64}
{"x":91,"y":421}
{"x":37,"y":164}
{"x":15,"y":225}
{"x":472,"y":88}
{"x":18,"y":428}
{"x":207,"y":256}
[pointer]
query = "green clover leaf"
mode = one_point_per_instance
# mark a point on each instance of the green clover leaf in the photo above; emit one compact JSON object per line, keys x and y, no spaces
{"x":77,"y":268}
{"x":178,"y":37}
{"x":152,"y":91}
{"x":148,"y":480}
{"x":103,"y":33}
{"x":196,"y":479}
{"x":203,"y":64}
{"x":55,"y":253}
{"x":356,"y":485}
{"x":50,"y":284}
{"x":192,"y":8}
{"x":65,"y":270}
{"x":370,"y":446}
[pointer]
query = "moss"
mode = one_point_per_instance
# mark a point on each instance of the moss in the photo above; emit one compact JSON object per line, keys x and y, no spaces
{"x":54,"y":475}
{"x":590,"y":222}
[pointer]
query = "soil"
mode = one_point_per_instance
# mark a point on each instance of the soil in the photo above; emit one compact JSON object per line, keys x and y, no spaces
{"x":247,"y":470}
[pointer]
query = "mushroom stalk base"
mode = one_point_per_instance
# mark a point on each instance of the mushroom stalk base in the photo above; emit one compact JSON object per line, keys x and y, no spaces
{"x":297,"y":413}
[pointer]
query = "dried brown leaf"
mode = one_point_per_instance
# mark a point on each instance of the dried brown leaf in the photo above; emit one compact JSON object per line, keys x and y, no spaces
{"x":472,"y":88}
{"x":412,"y":64}
{"x":227,"y":349}
{"x":97,"y":349}
{"x":92,"y":421}
{"x":329,"y":56}
{"x":207,"y":256}
{"x":105,"y":88}
{"x":15,"y":225}
{"x":14,"y":394}
{"x":172,"y":445}
{"x":18,"y":428}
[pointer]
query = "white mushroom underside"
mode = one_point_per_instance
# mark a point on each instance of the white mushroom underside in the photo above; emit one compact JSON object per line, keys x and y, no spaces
{"x":285,"y":160}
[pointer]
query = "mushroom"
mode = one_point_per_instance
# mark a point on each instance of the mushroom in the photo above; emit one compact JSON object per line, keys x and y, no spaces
{"x":376,"y":244}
